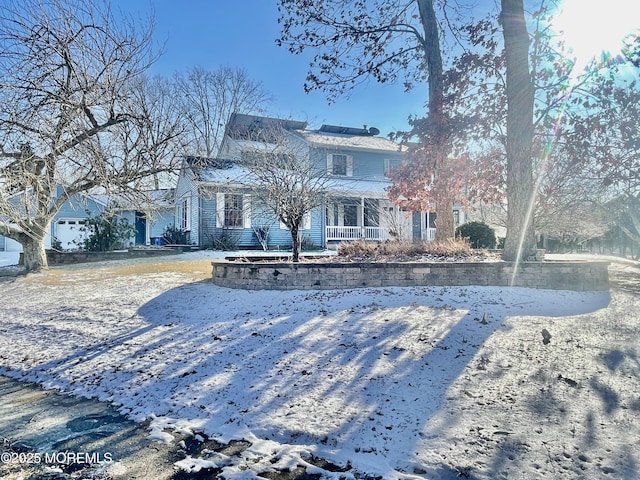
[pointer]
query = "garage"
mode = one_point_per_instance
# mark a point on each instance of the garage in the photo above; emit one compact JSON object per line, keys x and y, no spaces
{"x":11,"y":245}
{"x":70,"y":233}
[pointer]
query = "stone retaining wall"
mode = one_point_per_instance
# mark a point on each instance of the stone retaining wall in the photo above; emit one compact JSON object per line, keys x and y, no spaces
{"x":579,"y":276}
{"x":65,"y":258}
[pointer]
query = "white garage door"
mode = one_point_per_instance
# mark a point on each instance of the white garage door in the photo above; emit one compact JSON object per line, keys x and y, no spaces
{"x":69,"y":233}
{"x":11,"y":245}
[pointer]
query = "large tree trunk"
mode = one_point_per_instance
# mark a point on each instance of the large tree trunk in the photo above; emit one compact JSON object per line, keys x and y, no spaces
{"x":438,"y":132}
{"x":295,"y":245}
{"x":34,"y":255}
{"x":520,"y":240}
{"x":33,"y":252}
{"x":434,"y":65}
{"x":445,"y":226}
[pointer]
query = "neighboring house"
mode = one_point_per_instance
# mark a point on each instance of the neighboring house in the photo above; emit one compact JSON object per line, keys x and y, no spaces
{"x":212,"y":199}
{"x":150,"y":214}
{"x":66,"y":230}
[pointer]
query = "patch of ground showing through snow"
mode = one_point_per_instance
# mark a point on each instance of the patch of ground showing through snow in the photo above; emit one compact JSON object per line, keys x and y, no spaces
{"x":48,"y":435}
{"x":442,"y":382}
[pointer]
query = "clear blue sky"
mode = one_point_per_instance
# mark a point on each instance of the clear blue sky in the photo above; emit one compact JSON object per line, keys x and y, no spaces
{"x":242,"y":33}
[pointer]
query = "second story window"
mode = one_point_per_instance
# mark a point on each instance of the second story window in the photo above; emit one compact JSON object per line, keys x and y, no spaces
{"x":340,"y":165}
{"x":390,"y":164}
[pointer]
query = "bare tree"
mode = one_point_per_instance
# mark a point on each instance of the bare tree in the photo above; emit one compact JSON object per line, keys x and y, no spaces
{"x":157,"y":130}
{"x":70,"y":121}
{"x":284,"y":180}
{"x":209,"y":97}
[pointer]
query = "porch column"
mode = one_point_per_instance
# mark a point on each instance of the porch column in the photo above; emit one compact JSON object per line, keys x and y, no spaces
{"x":363,"y":230}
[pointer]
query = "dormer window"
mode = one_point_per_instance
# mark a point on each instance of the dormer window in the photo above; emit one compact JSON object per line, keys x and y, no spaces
{"x":340,"y":165}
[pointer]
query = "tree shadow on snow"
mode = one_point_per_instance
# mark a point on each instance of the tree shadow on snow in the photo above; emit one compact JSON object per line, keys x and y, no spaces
{"x":358,"y":371}
{"x":355,"y":376}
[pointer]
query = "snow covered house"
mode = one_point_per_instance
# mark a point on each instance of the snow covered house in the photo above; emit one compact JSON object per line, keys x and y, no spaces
{"x":65,"y":229}
{"x":212,"y":201}
{"x":66,"y":232}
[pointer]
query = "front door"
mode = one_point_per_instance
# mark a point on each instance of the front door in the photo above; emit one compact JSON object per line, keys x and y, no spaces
{"x":141,"y":228}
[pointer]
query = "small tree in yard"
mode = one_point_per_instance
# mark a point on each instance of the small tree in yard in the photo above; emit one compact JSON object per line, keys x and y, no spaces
{"x":262,"y":234}
{"x":285,"y":181}
{"x":70,"y":115}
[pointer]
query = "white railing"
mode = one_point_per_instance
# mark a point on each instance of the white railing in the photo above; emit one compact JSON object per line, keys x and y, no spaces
{"x":429,"y":234}
{"x":355,"y":233}
{"x":344,"y":233}
{"x":377,"y":233}
{"x":371,"y":233}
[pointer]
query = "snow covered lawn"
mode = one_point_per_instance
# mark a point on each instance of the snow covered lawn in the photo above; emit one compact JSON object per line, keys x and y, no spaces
{"x":441,"y":382}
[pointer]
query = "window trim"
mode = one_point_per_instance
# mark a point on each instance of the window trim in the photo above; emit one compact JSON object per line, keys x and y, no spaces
{"x":391,"y":164}
{"x":349,"y":165}
{"x":221,"y":211}
{"x":184,"y":213}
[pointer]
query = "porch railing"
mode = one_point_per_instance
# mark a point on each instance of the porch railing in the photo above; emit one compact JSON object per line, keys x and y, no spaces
{"x":370,"y":233}
{"x":429,"y":234}
{"x":344,"y":233}
{"x":356,"y":233}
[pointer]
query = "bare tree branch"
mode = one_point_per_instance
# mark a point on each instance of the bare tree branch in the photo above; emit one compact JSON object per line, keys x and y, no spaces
{"x":71,"y":115}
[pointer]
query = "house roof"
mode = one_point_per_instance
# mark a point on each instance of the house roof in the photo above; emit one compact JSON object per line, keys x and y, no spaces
{"x":334,"y":140}
{"x":153,"y":199}
{"x":101,"y":199}
{"x":224,"y":172}
{"x":241,"y":126}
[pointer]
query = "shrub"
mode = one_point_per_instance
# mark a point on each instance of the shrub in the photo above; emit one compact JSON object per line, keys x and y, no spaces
{"x":371,"y":250}
{"x":174,"y":236}
{"x":106,"y":232}
{"x":308,"y":244}
{"x":56,"y":244}
{"x":450,"y":248}
{"x":480,"y":234}
{"x":226,"y":240}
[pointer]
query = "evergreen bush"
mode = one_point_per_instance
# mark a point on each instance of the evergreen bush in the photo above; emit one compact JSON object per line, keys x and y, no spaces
{"x":480,"y":234}
{"x":106,"y":232}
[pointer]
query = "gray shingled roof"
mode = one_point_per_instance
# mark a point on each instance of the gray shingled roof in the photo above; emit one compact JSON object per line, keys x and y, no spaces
{"x":361,"y":142}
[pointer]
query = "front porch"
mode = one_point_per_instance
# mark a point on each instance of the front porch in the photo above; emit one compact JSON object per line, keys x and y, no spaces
{"x":379,"y":220}
{"x":371,"y":219}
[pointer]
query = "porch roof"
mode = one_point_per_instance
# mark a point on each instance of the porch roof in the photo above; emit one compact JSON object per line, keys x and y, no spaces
{"x":360,"y":188}
{"x":234,"y":175}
